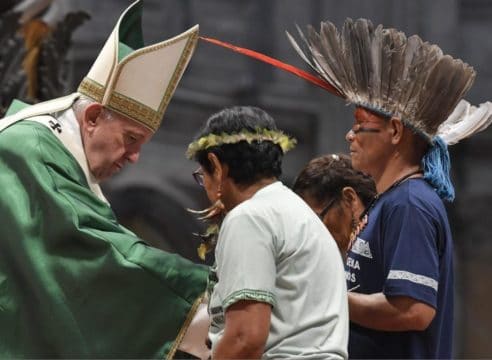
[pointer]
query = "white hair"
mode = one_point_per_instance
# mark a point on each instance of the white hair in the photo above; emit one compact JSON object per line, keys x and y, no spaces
{"x":83,"y":102}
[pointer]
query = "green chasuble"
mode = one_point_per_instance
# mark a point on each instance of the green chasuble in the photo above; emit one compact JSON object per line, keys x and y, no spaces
{"x":73,"y":282}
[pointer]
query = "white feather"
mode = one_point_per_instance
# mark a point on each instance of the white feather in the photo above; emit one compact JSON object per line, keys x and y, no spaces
{"x":464,"y":121}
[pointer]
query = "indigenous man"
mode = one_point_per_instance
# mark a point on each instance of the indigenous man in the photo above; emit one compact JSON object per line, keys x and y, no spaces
{"x":74,"y":282}
{"x":277,"y":289}
{"x":400,"y":268}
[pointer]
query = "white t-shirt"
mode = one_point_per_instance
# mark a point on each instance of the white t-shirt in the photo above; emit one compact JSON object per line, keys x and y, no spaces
{"x":273,"y":248}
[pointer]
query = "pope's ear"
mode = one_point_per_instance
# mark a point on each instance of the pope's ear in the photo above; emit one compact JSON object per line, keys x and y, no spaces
{"x":91,"y":114}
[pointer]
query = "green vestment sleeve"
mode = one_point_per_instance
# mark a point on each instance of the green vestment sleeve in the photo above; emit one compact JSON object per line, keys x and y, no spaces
{"x":73,"y":282}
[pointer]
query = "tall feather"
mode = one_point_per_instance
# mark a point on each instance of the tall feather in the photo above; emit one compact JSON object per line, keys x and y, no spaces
{"x":376,"y":75}
{"x":352,"y":59}
{"x":328,"y":54}
{"x":331,"y":43}
{"x":320,"y":58}
{"x":393,"y":47}
{"x":427,"y":57}
{"x":446,"y":84}
{"x":361,"y":43}
{"x":302,"y":53}
{"x":277,"y":63}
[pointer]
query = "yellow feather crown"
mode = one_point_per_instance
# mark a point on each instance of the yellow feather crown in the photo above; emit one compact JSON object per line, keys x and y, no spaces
{"x":285,"y":142}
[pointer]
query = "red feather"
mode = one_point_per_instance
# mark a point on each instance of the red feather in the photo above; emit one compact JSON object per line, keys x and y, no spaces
{"x":277,"y":63}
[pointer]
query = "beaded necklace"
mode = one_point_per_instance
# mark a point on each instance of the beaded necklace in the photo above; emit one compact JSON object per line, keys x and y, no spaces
{"x":378,"y":196}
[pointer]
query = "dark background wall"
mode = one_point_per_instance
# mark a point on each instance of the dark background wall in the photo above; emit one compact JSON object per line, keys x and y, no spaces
{"x":151,"y":196}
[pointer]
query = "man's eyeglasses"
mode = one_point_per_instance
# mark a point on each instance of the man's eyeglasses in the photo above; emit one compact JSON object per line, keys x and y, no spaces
{"x":357,"y":128}
{"x":198,"y":176}
{"x":325,"y":210}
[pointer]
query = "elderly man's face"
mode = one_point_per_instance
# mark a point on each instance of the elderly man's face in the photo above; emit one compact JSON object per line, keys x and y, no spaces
{"x":369,"y":139}
{"x":111,"y":141}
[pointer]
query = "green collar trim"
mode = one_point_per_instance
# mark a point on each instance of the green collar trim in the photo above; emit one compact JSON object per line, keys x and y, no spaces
{"x":277,"y":137}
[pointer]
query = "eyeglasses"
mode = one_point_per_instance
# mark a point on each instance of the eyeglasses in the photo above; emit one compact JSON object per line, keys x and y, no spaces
{"x":198,"y":176}
{"x":357,"y":128}
{"x":325,"y":210}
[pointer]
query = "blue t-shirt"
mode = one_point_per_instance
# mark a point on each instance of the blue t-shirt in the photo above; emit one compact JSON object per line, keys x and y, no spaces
{"x":406,"y":249}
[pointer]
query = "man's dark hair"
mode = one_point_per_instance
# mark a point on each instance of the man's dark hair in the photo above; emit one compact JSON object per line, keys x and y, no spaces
{"x":324,"y":177}
{"x":247,"y":162}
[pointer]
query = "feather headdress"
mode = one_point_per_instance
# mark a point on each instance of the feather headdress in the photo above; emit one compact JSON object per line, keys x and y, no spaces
{"x":380,"y":69}
{"x":383,"y":70}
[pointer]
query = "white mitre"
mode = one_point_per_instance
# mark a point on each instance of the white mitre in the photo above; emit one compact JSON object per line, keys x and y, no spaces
{"x":135,"y":80}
